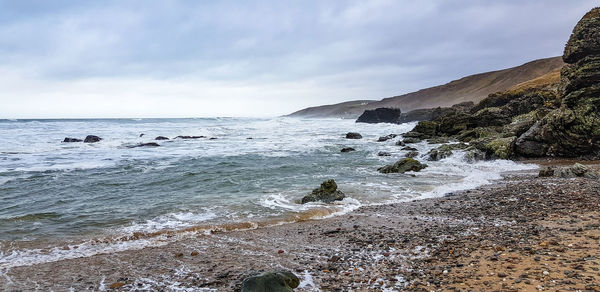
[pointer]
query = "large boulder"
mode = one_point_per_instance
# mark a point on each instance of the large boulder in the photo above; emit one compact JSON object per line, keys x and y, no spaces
{"x":92,"y":139}
{"x":402,"y":166}
{"x":280,"y":281}
{"x":380,"y":115}
{"x":326,"y":193}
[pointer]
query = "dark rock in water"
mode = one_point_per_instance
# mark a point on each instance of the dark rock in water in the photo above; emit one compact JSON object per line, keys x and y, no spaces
{"x":411,"y":140}
{"x":280,"y":281}
{"x":161,"y":138}
{"x":578,"y":170}
{"x":327,"y":193}
{"x":383,"y":153}
{"x":380,"y":115}
{"x":474,"y":155}
{"x":249,"y":138}
{"x":213,"y":138}
{"x":438,"y":140}
{"x":402,"y":166}
{"x":546,"y":172}
{"x":142,"y":135}
{"x":412,"y":154}
{"x":70,"y":140}
{"x":91,"y":139}
{"x":190,"y":137}
{"x":151,"y":144}
{"x":408,"y":148}
{"x":347,"y":149}
{"x":352,"y":135}
{"x":400,"y":143}
{"x":444,"y":151}
{"x":388,"y":137}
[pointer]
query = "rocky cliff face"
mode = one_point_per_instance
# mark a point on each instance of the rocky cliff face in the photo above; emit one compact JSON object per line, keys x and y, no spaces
{"x":574,"y":128}
{"x":540,"y":119}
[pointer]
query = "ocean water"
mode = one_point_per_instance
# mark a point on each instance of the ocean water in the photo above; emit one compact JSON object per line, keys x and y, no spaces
{"x":64,"y":200}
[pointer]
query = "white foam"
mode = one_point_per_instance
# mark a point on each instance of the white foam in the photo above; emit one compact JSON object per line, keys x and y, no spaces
{"x":171,"y":221}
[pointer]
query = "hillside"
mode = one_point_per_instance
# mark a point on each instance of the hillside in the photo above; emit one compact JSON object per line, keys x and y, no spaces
{"x":471,"y":88}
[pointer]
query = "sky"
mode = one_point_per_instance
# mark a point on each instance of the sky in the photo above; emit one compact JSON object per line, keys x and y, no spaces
{"x":101,"y":59}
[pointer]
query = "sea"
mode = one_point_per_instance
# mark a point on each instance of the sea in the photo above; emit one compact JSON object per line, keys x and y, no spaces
{"x":68,"y":200}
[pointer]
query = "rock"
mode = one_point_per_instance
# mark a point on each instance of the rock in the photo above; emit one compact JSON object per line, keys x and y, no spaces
{"x":402,"y":166}
{"x":546,"y":172}
{"x":444,"y":151}
{"x":473,"y":155}
{"x":190,"y":137}
{"x":92,"y":139}
{"x":423,"y":130}
{"x":438,"y":140}
{"x":151,"y":144}
{"x":353,"y":135}
{"x":327,"y":193}
{"x":116,"y":285}
{"x":280,"y":281}
{"x":213,"y":138}
{"x":380,"y":115}
{"x":412,"y":154}
{"x":70,"y":140}
{"x":385,"y":138}
{"x":383,"y":153}
{"x":142,"y":135}
{"x":161,"y":138}
{"x":578,"y":170}
{"x":400,"y":143}
{"x":408,"y":148}
{"x":348,"y":149}
{"x":411,"y":140}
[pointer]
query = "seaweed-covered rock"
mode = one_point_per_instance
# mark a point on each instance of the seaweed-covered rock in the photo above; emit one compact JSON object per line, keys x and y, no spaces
{"x":578,"y":170}
{"x":380,"y":115}
{"x":353,"y":135}
{"x":327,"y":193}
{"x":444,"y":151}
{"x":279,"y":281}
{"x":402,"y":166}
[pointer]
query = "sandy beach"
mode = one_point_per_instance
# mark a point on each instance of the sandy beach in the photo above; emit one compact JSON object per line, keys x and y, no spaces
{"x":523,"y":233}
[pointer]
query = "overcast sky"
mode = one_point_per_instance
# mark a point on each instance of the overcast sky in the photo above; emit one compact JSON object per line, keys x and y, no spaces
{"x":256,"y":58}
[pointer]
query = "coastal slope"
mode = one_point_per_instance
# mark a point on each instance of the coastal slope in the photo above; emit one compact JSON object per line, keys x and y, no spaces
{"x":471,"y":88}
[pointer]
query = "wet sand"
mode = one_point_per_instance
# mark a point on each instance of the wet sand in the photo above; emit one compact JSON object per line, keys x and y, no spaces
{"x":523,"y":233}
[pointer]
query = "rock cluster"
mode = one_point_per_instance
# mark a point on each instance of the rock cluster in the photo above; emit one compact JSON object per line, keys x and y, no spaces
{"x":327,"y":193}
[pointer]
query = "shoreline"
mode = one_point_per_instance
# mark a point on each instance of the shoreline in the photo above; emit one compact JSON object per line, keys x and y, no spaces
{"x":379,"y":247}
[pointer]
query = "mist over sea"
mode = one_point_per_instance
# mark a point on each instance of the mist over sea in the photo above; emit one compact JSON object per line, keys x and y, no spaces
{"x":65,"y":200}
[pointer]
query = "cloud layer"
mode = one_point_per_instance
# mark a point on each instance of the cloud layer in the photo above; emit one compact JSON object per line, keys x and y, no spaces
{"x":259,"y":58}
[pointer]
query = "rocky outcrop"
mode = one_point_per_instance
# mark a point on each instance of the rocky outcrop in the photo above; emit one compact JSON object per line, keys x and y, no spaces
{"x":444,"y":151}
{"x":279,"y":281}
{"x":353,"y":135}
{"x":380,"y":115}
{"x":574,"y":128}
{"x":92,"y":139}
{"x":327,"y":193}
{"x":71,"y":140}
{"x":402,"y":166}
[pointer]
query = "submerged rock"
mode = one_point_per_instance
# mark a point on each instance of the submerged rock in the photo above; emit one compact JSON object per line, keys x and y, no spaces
{"x":190,"y":137}
{"x":380,"y":115}
{"x":327,"y":193}
{"x":400,"y":143}
{"x":347,"y":149}
{"x":92,"y":139}
{"x":412,"y":154}
{"x":402,"y":166}
{"x":353,"y":135}
{"x":388,"y":137}
{"x":71,"y":140}
{"x":408,"y":148}
{"x":384,"y":153}
{"x":279,"y":281}
{"x":161,"y":138}
{"x":151,"y":144}
{"x":411,"y":140}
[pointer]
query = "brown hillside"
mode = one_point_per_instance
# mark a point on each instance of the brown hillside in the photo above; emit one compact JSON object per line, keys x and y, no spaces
{"x":472,"y":88}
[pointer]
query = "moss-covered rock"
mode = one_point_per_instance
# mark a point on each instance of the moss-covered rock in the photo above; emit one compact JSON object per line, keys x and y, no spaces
{"x":327,"y":193}
{"x":402,"y":166}
{"x":444,"y":151}
{"x":280,"y":281}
